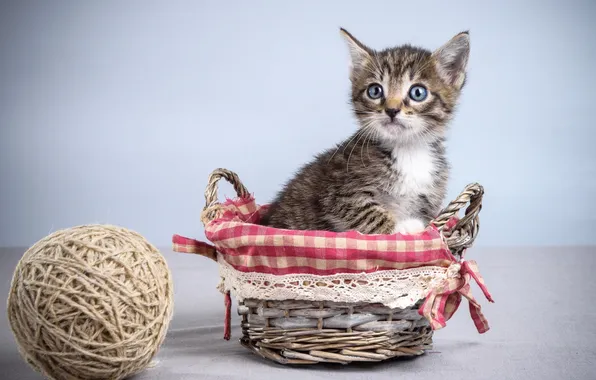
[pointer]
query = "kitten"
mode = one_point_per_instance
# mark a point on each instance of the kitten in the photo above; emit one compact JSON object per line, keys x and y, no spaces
{"x":391,"y":175}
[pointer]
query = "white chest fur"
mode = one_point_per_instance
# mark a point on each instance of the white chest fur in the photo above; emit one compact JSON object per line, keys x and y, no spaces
{"x":415,"y":166}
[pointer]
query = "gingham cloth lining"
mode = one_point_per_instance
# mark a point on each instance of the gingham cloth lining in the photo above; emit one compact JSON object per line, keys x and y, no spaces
{"x":249,"y":247}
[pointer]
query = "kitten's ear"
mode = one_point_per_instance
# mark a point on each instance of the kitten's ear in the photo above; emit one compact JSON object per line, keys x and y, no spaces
{"x":451,"y":59}
{"x":359,"y":52}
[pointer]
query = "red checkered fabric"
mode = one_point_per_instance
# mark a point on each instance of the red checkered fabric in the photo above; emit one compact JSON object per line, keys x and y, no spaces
{"x":249,"y":247}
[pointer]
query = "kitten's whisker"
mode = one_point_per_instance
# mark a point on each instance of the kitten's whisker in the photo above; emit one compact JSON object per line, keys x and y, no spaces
{"x":375,"y":137}
{"x":366,"y":141}
{"x":344,"y":145}
{"x":357,"y":134}
{"x":362,"y":148}
{"x":372,"y":133}
{"x":355,"y":144}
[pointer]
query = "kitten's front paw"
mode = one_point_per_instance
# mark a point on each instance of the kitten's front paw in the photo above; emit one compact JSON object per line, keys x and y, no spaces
{"x":410,"y":226}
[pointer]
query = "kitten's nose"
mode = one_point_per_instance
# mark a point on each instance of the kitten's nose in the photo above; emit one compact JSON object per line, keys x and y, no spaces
{"x":391,"y":112}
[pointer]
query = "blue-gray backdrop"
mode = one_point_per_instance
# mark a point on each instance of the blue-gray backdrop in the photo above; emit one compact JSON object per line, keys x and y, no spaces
{"x":116,"y":112}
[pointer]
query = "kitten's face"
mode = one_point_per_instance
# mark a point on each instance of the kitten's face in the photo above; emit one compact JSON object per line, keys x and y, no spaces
{"x":405,"y":93}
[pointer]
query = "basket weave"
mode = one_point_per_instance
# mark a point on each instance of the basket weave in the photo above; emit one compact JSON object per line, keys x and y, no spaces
{"x":308,"y":332}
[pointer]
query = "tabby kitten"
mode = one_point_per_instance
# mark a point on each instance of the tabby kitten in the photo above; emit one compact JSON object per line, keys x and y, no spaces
{"x":391,"y":175}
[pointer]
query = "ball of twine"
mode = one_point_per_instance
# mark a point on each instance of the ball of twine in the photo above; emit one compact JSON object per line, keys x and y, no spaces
{"x":90,"y":302}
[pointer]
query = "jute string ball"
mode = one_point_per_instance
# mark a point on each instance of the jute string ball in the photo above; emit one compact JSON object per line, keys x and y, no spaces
{"x":90,"y":302}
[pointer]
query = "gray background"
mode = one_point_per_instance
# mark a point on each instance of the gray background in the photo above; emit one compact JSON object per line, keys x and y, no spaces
{"x":116,"y":112}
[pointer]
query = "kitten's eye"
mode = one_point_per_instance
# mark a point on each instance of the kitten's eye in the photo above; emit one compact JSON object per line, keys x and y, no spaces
{"x":375,"y":91}
{"x":418,"y":93}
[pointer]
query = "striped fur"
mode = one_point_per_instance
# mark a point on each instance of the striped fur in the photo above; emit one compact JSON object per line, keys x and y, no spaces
{"x":391,"y":174}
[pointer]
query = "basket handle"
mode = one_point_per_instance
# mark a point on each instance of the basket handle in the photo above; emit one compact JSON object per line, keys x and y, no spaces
{"x":463,"y":234}
{"x":211,"y":204}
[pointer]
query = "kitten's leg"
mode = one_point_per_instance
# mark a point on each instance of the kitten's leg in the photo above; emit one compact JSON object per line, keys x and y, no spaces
{"x":371,"y":219}
{"x":410,"y":226}
{"x":417,"y":223}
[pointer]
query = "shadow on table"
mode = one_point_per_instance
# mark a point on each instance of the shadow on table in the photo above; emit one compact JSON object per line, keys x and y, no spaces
{"x":208,"y":342}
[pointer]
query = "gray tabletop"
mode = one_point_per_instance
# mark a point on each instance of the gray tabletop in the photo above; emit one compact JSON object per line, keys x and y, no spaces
{"x":542,"y":326}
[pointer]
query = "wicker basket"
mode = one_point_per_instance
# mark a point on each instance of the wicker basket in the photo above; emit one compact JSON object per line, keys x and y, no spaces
{"x":307,"y":332}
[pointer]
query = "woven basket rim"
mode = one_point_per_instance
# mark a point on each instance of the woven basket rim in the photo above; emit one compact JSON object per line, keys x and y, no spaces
{"x":221,"y":218}
{"x":460,"y":237}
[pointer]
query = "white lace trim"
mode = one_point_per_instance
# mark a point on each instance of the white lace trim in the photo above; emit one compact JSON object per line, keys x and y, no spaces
{"x":392,"y":288}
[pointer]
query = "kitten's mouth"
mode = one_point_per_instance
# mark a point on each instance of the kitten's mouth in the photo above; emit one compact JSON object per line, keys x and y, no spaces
{"x":393,"y":124}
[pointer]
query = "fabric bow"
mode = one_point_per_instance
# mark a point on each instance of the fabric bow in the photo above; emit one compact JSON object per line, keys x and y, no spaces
{"x":442,"y":302}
